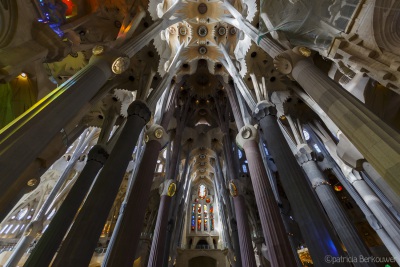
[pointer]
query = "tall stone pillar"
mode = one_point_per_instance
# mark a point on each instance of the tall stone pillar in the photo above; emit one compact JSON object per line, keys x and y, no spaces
{"x":26,"y":137}
{"x":240,"y":227}
{"x":377,"y":142}
{"x":382,"y":185}
{"x":78,"y":246}
{"x":51,"y":239}
{"x":338,"y":217}
{"x":227,"y":213}
{"x":123,"y":246}
{"x":276,"y":239}
{"x":319,"y":238}
{"x":389,"y":223}
{"x":364,"y":206}
{"x":167,"y":190}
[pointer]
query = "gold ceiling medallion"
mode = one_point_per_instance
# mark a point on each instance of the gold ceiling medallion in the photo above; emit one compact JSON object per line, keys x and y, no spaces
{"x":202,"y":8}
{"x":202,"y":50}
{"x":221,"y":31}
{"x":182,"y":30}
{"x":202,"y":30}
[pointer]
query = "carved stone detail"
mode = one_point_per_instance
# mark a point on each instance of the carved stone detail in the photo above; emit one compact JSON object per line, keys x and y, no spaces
{"x":98,"y":153}
{"x":168,"y":188}
{"x":139,"y":108}
{"x":247,"y":133}
{"x":263,"y":109}
{"x":157,"y":133}
{"x":120,"y":65}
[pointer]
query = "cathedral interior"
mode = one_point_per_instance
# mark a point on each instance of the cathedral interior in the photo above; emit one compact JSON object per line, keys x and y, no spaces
{"x":206,"y":133}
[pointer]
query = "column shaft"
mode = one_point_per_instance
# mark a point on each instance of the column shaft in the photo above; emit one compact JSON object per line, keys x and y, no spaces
{"x":280,"y":253}
{"x":377,"y":142}
{"x":319,"y":238}
{"x":244,"y":247}
{"x":127,"y":238}
{"x":22,"y":140}
{"x":243,"y":232}
{"x":387,"y":220}
{"x":160,"y":231}
{"x":382,"y":185}
{"x":51,"y":239}
{"x":339,"y":219}
{"x":78,"y":246}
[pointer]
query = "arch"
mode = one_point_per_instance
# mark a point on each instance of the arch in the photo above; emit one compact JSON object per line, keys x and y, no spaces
{"x":202,"y":261}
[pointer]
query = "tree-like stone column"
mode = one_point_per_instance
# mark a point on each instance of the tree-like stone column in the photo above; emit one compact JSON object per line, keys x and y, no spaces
{"x":123,"y":246}
{"x":26,"y":137}
{"x":240,"y":225}
{"x":382,"y":185}
{"x":338,"y":217}
{"x":276,"y":239}
{"x":377,"y":207}
{"x":51,"y":239}
{"x":377,"y":142}
{"x":314,"y":226}
{"x":167,"y":190}
{"x":78,"y":246}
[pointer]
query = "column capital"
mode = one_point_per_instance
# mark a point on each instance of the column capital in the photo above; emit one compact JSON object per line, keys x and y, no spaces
{"x":304,"y":154}
{"x":167,"y":188}
{"x":140,"y":109}
{"x":246,"y":133}
{"x":98,"y":153}
{"x":285,"y":61}
{"x":263,"y":109}
{"x":157,"y":133}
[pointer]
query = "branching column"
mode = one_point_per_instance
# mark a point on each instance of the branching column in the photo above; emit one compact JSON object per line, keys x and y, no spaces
{"x":78,"y":246}
{"x":338,"y":217}
{"x":125,"y":243}
{"x":51,"y":239}
{"x":314,"y":227}
{"x":240,"y":227}
{"x":167,"y":189}
{"x":377,"y":142}
{"x":23,"y":139}
{"x":280,"y":253}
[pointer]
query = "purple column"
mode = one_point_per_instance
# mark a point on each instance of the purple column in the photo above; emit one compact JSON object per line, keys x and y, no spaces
{"x":158,"y":245}
{"x":276,"y":239}
{"x":78,"y":246}
{"x":125,"y":243}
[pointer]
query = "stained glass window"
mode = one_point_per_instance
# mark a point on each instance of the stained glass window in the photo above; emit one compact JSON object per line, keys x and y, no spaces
{"x":193,"y":223}
{"x":202,"y":191}
{"x":199,"y":217}
{"x":211,"y":217}
{"x":244,"y":167}
{"x":205,"y":218}
{"x":240,"y":153}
